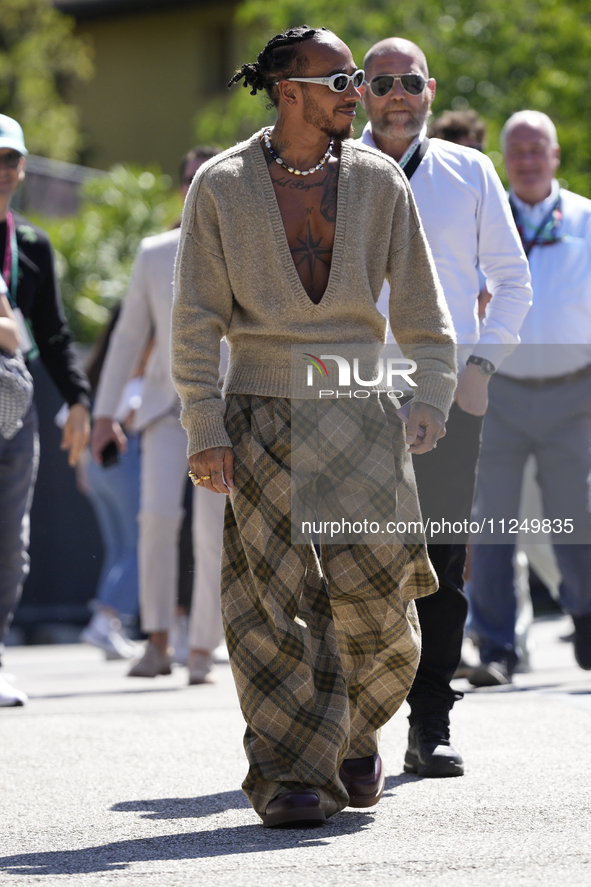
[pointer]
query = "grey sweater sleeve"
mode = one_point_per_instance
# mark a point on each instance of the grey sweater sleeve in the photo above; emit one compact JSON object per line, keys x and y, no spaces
{"x":201,"y":314}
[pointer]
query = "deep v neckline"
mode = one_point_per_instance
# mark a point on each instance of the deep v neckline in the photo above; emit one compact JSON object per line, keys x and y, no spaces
{"x":276,"y":220}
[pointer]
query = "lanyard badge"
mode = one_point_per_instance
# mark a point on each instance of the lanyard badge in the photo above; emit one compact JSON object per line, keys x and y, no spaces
{"x":547,"y":231}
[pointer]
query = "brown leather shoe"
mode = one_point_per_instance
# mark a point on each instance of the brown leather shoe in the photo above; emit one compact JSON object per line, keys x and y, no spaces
{"x":364,"y":780}
{"x":294,"y":810}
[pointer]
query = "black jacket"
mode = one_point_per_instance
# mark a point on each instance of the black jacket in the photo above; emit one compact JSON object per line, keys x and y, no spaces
{"x":39,"y":300}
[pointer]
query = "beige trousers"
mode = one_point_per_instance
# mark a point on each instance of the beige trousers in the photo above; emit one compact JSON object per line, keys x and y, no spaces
{"x":164,"y":475}
{"x":321,"y":660}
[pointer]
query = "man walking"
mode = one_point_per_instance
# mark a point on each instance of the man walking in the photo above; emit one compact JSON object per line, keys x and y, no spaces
{"x":540,"y":405}
{"x":468,"y":225}
{"x":286,"y":240}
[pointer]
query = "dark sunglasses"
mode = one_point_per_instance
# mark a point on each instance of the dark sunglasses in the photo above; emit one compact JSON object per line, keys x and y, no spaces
{"x":11,"y":160}
{"x":381,"y":85}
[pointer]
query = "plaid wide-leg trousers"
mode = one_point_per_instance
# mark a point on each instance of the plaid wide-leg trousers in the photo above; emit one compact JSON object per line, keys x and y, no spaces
{"x":321,"y":658}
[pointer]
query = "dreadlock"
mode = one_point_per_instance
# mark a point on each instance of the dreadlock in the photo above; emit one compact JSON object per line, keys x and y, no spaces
{"x":278,"y":61}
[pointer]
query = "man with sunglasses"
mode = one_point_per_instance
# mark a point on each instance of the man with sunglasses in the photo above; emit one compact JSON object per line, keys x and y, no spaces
{"x":286,"y":240}
{"x":26,"y":265}
{"x":468,"y":224}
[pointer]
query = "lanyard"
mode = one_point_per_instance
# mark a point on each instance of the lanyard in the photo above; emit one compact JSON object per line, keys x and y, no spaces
{"x":408,"y":154}
{"x":546,"y":232}
{"x":411,"y":164}
{"x":10,"y":269}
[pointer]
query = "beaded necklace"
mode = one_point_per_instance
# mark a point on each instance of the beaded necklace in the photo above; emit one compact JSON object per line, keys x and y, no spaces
{"x":292,"y":169}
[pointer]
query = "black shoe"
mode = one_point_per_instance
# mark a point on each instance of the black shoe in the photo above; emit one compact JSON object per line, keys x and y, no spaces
{"x":364,"y":780}
{"x":294,"y":810}
{"x":490,"y":674}
{"x":582,"y":641}
{"x":429,"y":752}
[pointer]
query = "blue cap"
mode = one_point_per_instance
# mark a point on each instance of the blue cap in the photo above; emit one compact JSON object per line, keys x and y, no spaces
{"x":11,"y":135}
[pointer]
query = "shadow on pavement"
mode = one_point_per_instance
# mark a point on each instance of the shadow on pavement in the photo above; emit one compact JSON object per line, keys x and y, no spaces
{"x":119,"y":855}
{"x":185,"y":808}
{"x":207,"y":805}
{"x":401,"y":779}
{"x":118,"y":691}
{"x":555,"y":687}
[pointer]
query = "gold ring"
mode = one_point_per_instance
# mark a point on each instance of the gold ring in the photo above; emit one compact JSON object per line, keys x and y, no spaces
{"x":196,"y":480}
{"x":205,"y":477}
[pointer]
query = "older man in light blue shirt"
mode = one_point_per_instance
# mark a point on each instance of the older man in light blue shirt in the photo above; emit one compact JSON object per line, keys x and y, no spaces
{"x":540,"y":405}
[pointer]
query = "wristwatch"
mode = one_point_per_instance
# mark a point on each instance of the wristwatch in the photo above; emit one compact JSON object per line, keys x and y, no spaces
{"x":486,"y":367}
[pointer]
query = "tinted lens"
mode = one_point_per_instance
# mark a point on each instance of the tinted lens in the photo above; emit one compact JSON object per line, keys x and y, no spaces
{"x":10,"y":160}
{"x":382,"y":85}
{"x":340,"y":82}
{"x":414,"y":84}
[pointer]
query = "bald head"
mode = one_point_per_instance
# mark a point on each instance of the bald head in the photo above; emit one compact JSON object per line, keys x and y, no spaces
{"x":535,"y":120}
{"x":532,"y":155}
{"x":394,"y":46}
{"x":397,"y":114}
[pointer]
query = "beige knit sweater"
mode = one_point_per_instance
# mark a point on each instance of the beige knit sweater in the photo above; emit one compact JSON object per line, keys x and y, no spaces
{"x":235,"y":277}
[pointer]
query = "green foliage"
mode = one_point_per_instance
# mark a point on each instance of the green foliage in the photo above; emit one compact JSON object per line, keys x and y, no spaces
{"x":96,"y":249}
{"x":224,"y":121}
{"x":496,"y":56}
{"x":39,"y":59}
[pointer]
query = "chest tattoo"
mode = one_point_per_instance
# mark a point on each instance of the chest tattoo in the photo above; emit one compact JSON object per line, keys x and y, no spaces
{"x":295,"y":184}
{"x":311,"y":251}
{"x":328,"y":203}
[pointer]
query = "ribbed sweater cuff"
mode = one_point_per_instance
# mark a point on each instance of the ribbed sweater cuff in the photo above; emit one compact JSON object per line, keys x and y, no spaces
{"x":206,"y":433}
{"x":438,"y":392}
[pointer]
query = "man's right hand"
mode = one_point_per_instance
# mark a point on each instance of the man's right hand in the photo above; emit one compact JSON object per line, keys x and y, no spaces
{"x":217,"y":465}
{"x":104,"y":431}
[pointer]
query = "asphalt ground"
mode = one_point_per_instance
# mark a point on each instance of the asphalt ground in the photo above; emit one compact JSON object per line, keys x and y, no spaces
{"x":118,"y":781}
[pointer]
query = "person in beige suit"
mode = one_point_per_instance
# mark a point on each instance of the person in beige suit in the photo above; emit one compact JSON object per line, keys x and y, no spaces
{"x":146,"y":312}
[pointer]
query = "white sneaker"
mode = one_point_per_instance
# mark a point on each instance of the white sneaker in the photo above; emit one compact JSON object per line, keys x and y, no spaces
{"x":179,"y":640}
{"x":9,"y":695}
{"x":201,"y":668}
{"x":221,"y":655}
{"x":107,"y":632}
{"x":151,"y":664}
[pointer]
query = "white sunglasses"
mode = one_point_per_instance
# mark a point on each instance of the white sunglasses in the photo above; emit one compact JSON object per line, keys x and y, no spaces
{"x":336,"y":82}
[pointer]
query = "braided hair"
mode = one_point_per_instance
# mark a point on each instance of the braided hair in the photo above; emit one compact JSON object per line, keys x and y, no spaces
{"x":277,"y":61}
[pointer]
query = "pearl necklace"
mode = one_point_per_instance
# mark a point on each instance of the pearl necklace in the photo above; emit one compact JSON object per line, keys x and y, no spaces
{"x":292,"y":169}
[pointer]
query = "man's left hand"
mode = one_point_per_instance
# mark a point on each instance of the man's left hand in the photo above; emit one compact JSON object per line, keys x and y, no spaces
{"x":431,"y":420}
{"x":472,"y":391}
{"x":76,"y":432}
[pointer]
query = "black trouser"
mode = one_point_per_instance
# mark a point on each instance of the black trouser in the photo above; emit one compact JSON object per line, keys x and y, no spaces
{"x":445,"y":479}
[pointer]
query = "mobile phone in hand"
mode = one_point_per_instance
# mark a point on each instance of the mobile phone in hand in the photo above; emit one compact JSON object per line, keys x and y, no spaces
{"x":109,"y":454}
